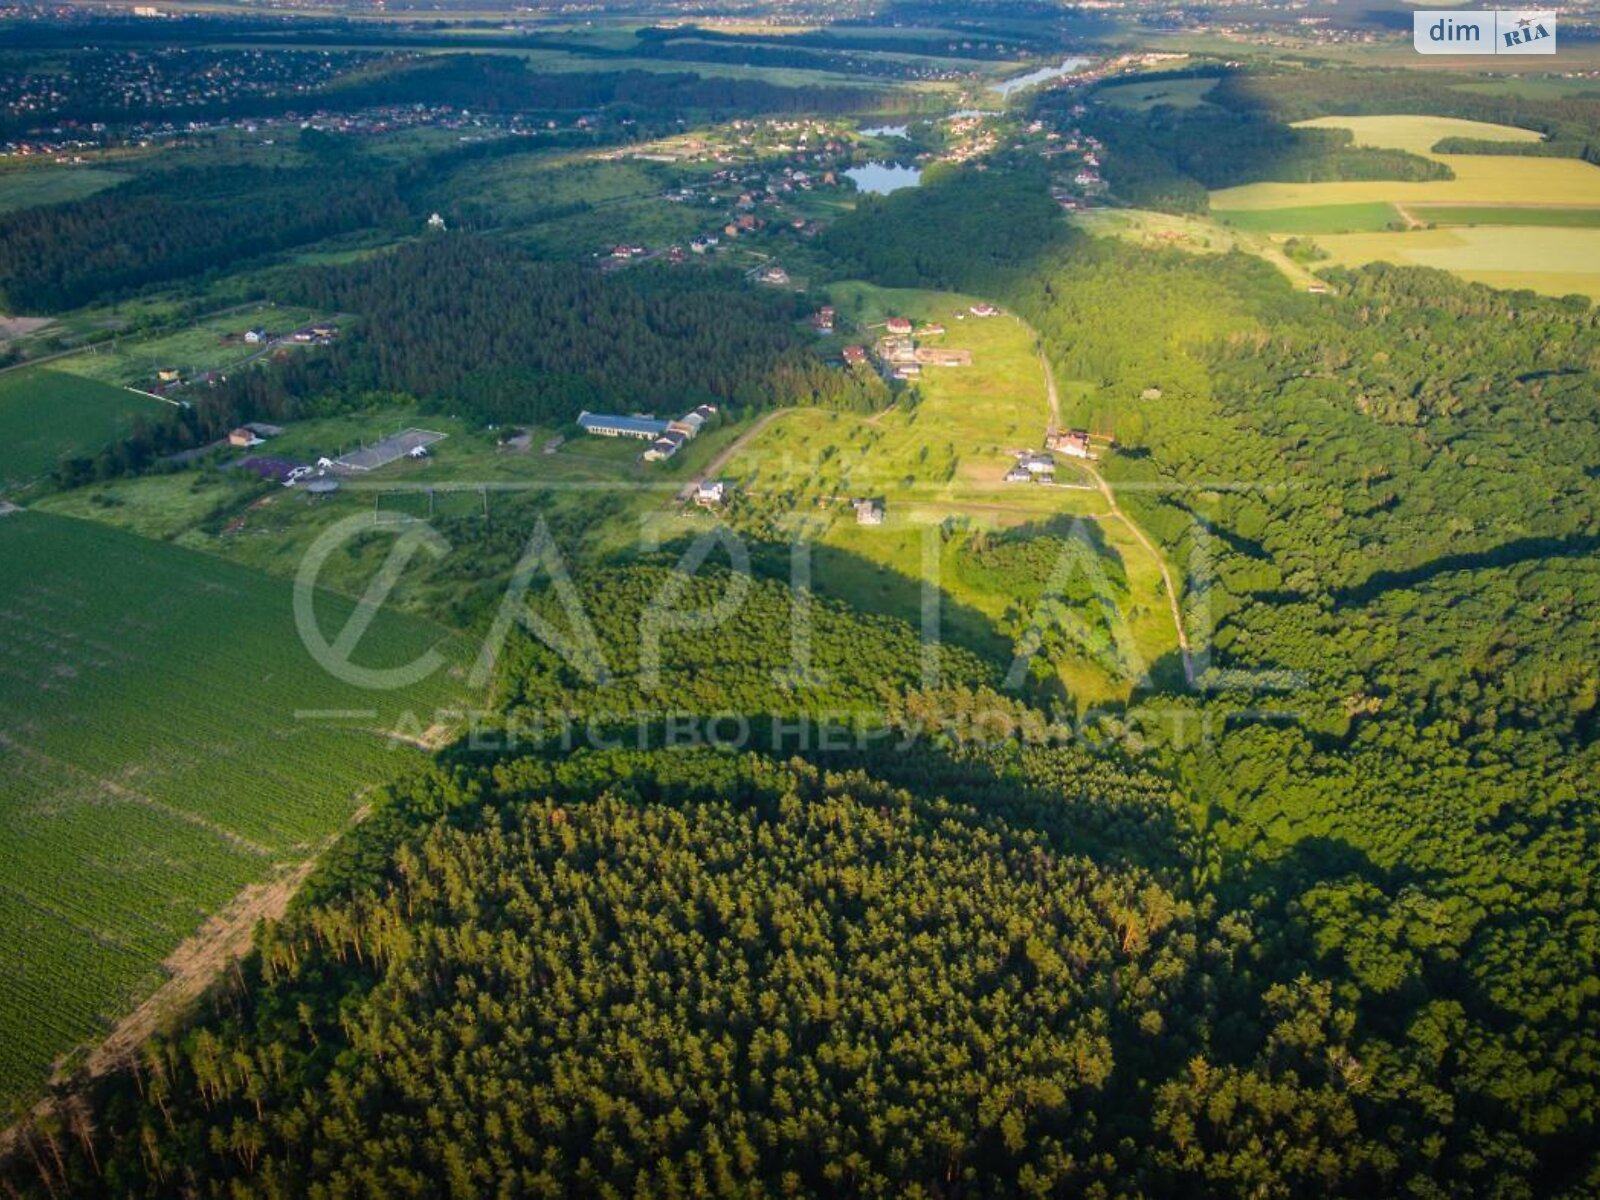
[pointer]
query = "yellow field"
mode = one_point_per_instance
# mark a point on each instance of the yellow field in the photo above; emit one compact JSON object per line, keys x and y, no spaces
{"x":1549,"y":259}
{"x":1553,"y":261}
{"x":1480,"y":178}
{"x":1418,"y":134}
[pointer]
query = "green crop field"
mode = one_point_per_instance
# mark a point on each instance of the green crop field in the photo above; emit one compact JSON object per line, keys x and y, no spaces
{"x":155,"y":765}
{"x":1531,"y":214}
{"x":27,"y":186}
{"x":1329,"y":218}
{"x":47,"y":415}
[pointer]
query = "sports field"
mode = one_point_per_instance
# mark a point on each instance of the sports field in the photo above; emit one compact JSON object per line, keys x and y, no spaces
{"x":47,"y":415}
{"x":155,"y":764}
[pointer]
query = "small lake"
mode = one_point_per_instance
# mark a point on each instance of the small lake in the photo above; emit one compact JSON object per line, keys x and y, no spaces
{"x":882,"y":178}
{"x":885,"y":131}
{"x":1042,"y":75}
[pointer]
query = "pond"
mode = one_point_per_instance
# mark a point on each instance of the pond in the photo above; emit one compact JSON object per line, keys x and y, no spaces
{"x":1042,"y":75}
{"x":882,"y":178}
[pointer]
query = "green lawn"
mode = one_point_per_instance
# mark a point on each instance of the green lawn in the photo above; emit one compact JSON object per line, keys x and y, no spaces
{"x":155,"y":764}
{"x":46,"y":415}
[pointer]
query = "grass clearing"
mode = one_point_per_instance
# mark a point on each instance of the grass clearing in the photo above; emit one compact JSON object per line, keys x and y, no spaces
{"x":1143,"y":96}
{"x":938,"y":467}
{"x":214,"y":344}
{"x":46,"y":415}
{"x":26,"y":187}
{"x":154,"y":762}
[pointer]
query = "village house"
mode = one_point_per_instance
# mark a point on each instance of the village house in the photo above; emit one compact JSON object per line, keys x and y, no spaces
{"x":1019,"y":474}
{"x":868,"y":512}
{"x":1038,"y":463}
{"x":255,"y":336}
{"x":824,"y":318}
{"x":899,"y":326}
{"x":710,"y":493}
{"x":984,"y":310}
{"x":242,"y":437}
{"x":168,"y":375}
{"x":854,"y":355}
{"x":1072,"y":442}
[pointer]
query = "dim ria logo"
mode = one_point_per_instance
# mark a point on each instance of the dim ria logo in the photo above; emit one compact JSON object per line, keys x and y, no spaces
{"x":1483,"y":31}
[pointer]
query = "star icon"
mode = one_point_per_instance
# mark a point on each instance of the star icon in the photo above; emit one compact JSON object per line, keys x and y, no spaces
{"x":1524,"y":22}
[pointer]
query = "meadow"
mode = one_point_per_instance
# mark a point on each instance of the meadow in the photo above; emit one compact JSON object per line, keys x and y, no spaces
{"x":1179,"y":93}
{"x":23,"y":187}
{"x":46,"y":415}
{"x":155,"y":763}
{"x":938,"y":468}
{"x":215,"y":343}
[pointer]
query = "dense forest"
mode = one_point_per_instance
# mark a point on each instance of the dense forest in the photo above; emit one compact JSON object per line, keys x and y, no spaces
{"x":175,"y":224}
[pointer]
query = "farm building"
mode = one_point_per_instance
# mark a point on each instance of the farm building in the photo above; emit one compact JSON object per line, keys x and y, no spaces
{"x":868,"y":512}
{"x":243,"y":437}
{"x":1038,"y":463}
{"x":710,"y":493}
{"x":984,"y":310}
{"x":604,"y":425}
{"x":1019,"y":474}
{"x":665,"y":446}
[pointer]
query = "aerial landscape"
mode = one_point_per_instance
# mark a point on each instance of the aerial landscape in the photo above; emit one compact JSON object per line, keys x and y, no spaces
{"x":665,"y":598}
